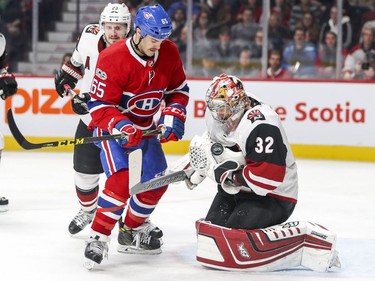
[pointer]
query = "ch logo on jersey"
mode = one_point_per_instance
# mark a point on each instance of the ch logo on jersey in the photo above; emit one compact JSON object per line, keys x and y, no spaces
{"x":255,"y":115}
{"x":145,"y":104}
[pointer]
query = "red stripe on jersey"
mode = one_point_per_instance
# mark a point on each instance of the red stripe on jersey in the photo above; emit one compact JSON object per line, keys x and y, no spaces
{"x":250,"y":181}
{"x":267,"y":170}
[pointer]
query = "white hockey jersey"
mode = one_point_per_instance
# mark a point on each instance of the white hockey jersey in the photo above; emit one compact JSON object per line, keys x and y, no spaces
{"x":89,"y":45}
{"x":270,"y":165}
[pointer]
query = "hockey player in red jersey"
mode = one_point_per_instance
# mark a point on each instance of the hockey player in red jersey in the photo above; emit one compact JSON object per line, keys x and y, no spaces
{"x":8,"y":87}
{"x":246,"y":152}
{"x":114,"y":25}
{"x":137,"y":75}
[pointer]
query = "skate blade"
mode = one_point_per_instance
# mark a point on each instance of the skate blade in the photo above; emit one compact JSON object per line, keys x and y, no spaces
{"x":137,"y":251}
{"x":89,"y":264}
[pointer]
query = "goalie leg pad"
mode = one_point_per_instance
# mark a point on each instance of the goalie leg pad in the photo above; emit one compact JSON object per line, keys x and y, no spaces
{"x":278,"y":247}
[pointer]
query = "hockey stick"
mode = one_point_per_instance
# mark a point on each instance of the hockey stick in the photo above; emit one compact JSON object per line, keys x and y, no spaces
{"x":25,"y":144}
{"x":161,"y":181}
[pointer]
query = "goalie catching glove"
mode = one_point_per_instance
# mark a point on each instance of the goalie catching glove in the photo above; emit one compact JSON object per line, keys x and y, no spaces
{"x":133,"y":135}
{"x":217,"y":162}
{"x":172,"y":121}
{"x":67,"y":75}
{"x":8,"y":85}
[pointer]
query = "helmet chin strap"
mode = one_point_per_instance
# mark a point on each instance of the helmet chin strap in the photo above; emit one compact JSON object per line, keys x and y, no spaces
{"x":137,"y":44}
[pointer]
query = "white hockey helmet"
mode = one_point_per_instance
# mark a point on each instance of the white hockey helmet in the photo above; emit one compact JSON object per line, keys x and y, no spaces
{"x":116,"y":13}
{"x":226,"y":99}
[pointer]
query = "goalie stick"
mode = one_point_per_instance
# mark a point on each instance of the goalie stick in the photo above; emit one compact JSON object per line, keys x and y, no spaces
{"x":25,"y":144}
{"x":161,"y":181}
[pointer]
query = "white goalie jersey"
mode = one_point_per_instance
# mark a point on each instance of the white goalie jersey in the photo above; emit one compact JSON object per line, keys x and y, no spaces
{"x":270,"y":167}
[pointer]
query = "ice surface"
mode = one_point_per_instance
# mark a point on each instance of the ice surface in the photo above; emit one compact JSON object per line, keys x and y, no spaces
{"x":35,"y":243}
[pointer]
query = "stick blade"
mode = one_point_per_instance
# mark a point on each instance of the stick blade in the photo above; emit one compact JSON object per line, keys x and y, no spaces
{"x":135,"y":167}
{"x":16,"y":132}
{"x":161,"y":181}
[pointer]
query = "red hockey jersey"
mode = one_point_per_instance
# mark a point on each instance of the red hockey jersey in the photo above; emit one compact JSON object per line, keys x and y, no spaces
{"x":137,"y":84}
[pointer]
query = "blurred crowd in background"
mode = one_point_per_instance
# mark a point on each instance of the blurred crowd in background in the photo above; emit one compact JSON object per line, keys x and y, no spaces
{"x":228,"y":35}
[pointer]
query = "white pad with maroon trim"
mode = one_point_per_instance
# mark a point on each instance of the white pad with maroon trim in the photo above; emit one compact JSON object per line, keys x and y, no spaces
{"x":284,"y":246}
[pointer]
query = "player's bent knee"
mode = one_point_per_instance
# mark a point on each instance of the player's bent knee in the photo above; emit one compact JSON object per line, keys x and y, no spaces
{"x":86,"y":181}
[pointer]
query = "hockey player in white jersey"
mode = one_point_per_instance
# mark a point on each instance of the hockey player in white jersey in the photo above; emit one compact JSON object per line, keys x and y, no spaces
{"x":246,"y":152}
{"x":8,"y":87}
{"x":114,"y":25}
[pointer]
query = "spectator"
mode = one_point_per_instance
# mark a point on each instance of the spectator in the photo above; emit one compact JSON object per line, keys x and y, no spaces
{"x":254,"y":5}
{"x":299,"y":56}
{"x":225,"y":47}
{"x":257,"y":45}
{"x":182,"y":4}
{"x":310,"y":27}
{"x":245,"y":68}
{"x":283,"y":9}
{"x":178,"y":22}
{"x":208,"y":64}
{"x":277,"y":33}
{"x":274,"y":70}
{"x":201,"y":26}
{"x":327,"y":56}
{"x":244,"y":31}
{"x":12,"y":18}
{"x":331,"y":25}
{"x":301,"y":7}
{"x":181,"y":43}
{"x":220,"y":15}
{"x":360,"y":62}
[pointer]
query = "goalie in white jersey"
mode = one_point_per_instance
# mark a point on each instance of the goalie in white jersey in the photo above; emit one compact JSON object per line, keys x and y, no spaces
{"x":246,"y":152}
{"x":254,"y":167}
{"x":114,"y":25}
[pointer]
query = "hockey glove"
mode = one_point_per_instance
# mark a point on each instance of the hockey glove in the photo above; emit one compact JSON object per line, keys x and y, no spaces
{"x":8,"y":85}
{"x":196,"y":178}
{"x":222,"y":174}
{"x":68,"y":74}
{"x":133,"y":136}
{"x":79,"y":103}
{"x":172,"y":121}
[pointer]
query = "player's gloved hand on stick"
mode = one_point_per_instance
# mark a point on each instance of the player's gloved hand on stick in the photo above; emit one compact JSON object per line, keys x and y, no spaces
{"x":79,"y":103}
{"x":172,"y":121}
{"x":67,"y":75}
{"x":133,"y":135}
{"x":8,"y":85}
{"x":196,"y":178}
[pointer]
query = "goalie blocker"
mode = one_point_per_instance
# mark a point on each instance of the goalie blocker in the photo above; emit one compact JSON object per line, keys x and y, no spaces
{"x":284,"y":246}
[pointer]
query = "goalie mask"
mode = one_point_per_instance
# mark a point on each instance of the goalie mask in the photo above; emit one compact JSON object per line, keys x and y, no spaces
{"x":116,"y":13}
{"x":227,"y":100}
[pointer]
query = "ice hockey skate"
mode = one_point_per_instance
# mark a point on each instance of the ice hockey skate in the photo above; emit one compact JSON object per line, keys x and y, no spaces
{"x":96,"y":250}
{"x":4,"y":204}
{"x":80,"y":221}
{"x":144,"y":240}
